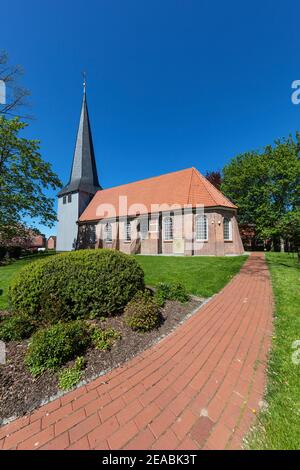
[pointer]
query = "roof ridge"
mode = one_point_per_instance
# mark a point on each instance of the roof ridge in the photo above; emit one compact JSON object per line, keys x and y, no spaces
{"x":146,"y":179}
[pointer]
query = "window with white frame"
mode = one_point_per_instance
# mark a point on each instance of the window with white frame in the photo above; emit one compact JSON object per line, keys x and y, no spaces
{"x":168,"y":228}
{"x":127,"y":230}
{"x":227,"y":229}
{"x":153,"y":225}
{"x":108,"y":232}
{"x":201,"y":227}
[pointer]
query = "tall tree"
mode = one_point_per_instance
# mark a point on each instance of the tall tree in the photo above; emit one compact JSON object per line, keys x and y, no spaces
{"x":215,"y":178}
{"x":15,"y":94}
{"x":266,"y":187}
{"x":23,"y":178}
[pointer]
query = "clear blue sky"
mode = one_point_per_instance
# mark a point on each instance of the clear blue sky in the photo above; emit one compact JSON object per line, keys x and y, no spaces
{"x":171,"y":84}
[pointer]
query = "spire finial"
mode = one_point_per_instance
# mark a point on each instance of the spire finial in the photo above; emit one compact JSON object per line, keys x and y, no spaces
{"x":84,"y":82}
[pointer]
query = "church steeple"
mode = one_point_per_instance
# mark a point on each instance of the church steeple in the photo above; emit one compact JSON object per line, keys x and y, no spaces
{"x":84,"y":171}
{"x":82,"y":186}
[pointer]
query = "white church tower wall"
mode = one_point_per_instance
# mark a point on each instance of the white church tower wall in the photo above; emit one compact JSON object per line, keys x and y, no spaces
{"x":82,"y":186}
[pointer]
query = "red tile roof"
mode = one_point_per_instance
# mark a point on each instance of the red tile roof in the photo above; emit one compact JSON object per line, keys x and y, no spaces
{"x":181,"y":188}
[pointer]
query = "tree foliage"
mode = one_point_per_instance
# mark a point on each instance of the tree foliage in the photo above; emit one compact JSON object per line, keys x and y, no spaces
{"x":215,"y":178}
{"x":24,"y":176}
{"x":265,"y":186}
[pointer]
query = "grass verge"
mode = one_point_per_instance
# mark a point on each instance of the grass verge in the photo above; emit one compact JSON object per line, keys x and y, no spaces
{"x":279,"y":425}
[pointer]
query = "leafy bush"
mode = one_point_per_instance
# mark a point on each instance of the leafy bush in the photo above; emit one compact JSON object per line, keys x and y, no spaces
{"x":15,"y":252}
{"x":142,"y":312}
{"x":104,"y":339}
{"x":3,"y":252}
{"x":54,"y":346}
{"x":70,"y":377}
{"x":174,"y":291}
{"x":11,"y":252}
{"x":76,"y":284}
{"x":16,"y":327}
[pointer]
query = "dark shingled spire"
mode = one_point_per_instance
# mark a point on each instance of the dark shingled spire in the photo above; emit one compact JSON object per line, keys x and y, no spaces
{"x":84,"y":172}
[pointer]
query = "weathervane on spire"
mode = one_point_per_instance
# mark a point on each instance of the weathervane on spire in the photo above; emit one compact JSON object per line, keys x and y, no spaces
{"x":84,"y":82}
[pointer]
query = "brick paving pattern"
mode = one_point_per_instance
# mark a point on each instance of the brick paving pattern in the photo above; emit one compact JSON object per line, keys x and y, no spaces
{"x":199,"y":388}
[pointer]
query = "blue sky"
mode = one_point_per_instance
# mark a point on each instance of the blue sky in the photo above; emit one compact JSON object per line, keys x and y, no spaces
{"x":171,"y":84}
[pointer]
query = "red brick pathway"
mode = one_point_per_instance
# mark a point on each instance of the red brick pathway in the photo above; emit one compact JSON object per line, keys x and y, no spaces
{"x":198,"y":388}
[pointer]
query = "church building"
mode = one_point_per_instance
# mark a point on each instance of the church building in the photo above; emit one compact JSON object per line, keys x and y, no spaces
{"x":178,"y":213}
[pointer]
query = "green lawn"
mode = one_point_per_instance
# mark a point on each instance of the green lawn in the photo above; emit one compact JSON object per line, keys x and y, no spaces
{"x":279,"y":426}
{"x":8,"y":272}
{"x":202,"y":275}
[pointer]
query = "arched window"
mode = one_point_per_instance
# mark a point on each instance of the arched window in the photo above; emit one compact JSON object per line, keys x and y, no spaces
{"x":227,"y":229}
{"x":108,"y":232}
{"x":168,"y":228}
{"x":127,"y":230}
{"x":201,"y":227}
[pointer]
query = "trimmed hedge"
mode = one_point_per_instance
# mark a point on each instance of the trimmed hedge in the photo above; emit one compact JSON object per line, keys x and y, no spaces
{"x":142,"y":312}
{"x":16,"y":328}
{"x":78,"y":284}
{"x":54,"y":346}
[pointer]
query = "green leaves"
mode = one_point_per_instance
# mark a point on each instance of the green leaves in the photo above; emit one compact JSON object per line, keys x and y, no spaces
{"x":70,"y":377}
{"x":54,"y":346}
{"x":171,"y":291}
{"x":24,"y":177}
{"x":77,"y":284}
{"x":265,"y":185}
{"x":16,"y":328}
{"x":104,"y":339}
{"x":142,"y":312}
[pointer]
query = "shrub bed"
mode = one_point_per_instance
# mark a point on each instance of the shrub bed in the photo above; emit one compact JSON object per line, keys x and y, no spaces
{"x":142,"y":312}
{"x":54,"y":346}
{"x":76,"y":284}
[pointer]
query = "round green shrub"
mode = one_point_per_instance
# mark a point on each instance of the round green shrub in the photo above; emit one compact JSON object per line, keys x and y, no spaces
{"x":170,"y":291}
{"x":70,"y":377}
{"x":76,"y":284}
{"x":16,"y":328}
{"x":54,"y":346}
{"x":142,"y":312}
{"x":104,"y":339}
